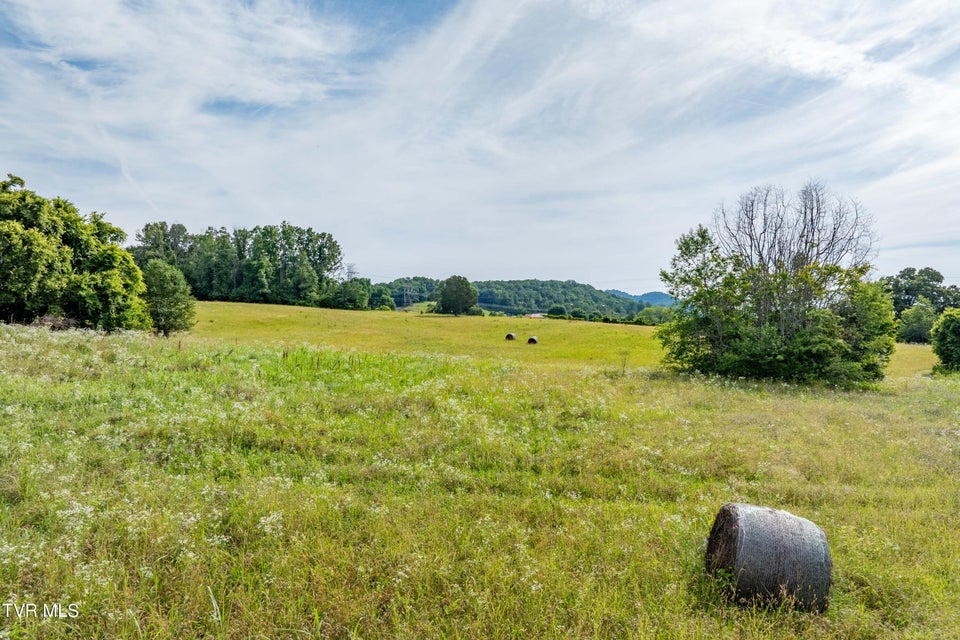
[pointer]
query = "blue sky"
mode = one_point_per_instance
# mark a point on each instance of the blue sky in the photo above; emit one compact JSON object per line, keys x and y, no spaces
{"x":496,"y":139}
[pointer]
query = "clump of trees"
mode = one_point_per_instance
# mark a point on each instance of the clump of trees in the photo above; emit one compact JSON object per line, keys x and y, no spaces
{"x":277,"y":264}
{"x":281,"y":264}
{"x":56,"y":262}
{"x":778,"y":288}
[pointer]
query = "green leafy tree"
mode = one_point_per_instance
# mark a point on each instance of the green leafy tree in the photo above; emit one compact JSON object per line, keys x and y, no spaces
{"x":169,"y":243}
{"x":917,"y":321}
{"x":168,"y":298}
{"x":910,"y":284}
{"x":213,"y":268}
{"x":455,"y":295}
{"x":353,"y":293}
{"x":31,"y":271}
{"x":104,"y":291}
{"x":778,"y":290}
{"x":55,"y":261}
{"x":380,"y":298}
{"x":945,"y":337}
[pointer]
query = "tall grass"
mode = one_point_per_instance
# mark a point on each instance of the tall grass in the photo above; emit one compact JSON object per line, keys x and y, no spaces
{"x":227,"y":485}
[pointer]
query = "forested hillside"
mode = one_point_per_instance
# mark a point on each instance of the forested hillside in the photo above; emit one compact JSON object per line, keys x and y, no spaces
{"x":562,"y":297}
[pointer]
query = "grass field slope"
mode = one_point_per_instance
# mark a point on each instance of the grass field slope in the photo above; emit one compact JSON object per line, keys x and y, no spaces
{"x":302,"y":473}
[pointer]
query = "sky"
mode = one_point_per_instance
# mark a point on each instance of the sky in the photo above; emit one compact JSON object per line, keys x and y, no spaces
{"x":494,"y":139}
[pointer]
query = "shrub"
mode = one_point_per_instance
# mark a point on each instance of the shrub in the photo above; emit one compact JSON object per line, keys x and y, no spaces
{"x":945,"y":337}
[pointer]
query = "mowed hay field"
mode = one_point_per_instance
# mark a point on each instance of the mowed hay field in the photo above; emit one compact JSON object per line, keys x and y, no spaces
{"x":299,"y":473}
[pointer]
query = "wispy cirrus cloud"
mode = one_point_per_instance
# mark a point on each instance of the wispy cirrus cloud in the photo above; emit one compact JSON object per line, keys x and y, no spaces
{"x":558,"y":139}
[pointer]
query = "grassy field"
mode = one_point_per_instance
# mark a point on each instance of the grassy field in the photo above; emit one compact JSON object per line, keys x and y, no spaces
{"x":560,"y":341}
{"x":299,"y":473}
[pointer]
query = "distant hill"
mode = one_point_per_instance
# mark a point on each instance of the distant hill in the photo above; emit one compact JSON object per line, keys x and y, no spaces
{"x":526,"y":296}
{"x":653,"y":298}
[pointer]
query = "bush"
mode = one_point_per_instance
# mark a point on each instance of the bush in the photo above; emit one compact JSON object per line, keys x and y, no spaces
{"x":917,"y":321}
{"x":945,"y":337}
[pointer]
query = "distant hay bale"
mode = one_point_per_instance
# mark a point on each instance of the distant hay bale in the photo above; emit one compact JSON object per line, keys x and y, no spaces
{"x":771,"y":555}
{"x":532,"y":340}
{"x":511,"y":336}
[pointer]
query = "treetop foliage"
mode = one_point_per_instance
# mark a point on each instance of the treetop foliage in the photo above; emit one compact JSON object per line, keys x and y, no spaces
{"x":908,"y":286}
{"x":777,"y":289}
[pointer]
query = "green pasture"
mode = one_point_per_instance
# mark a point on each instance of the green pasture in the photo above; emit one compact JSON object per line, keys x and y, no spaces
{"x":286,"y":472}
{"x":560,"y":341}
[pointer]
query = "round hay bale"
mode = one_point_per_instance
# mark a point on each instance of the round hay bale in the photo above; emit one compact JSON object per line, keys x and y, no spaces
{"x":771,"y":556}
{"x":511,"y":336}
{"x":532,"y":340}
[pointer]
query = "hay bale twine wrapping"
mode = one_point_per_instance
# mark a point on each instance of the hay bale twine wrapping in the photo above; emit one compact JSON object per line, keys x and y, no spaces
{"x":532,"y":340}
{"x":771,"y":555}
{"x":511,"y":336}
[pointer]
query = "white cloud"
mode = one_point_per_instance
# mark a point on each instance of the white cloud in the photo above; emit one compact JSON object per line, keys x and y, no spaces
{"x":506,"y":139}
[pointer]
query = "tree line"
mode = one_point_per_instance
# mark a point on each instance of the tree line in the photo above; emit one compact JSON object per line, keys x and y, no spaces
{"x":276,"y":264}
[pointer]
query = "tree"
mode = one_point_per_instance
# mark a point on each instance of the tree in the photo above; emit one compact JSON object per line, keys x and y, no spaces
{"x":908,"y":286}
{"x":945,"y":337}
{"x":55,"y":261}
{"x":455,"y":295}
{"x":30,"y":271}
{"x":778,"y":290}
{"x":353,"y":293}
{"x":169,"y":302}
{"x":380,"y":298}
{"x":917,"y":321}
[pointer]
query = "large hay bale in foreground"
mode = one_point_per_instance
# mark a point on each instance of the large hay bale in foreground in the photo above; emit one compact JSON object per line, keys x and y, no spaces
{"x":511,"y":336}
{"x":771,"y":555}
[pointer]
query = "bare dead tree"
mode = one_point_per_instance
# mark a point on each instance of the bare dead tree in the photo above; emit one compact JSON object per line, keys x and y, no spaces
{"x":793,"y":252}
